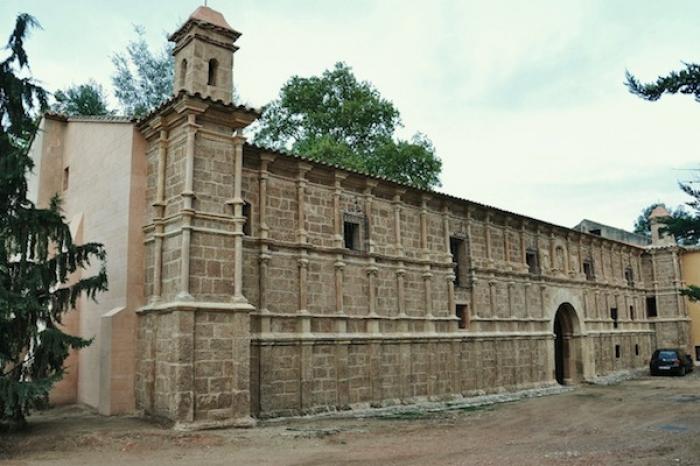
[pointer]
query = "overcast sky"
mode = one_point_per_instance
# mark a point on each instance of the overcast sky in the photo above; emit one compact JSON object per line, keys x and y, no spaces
{"x":524,"y":101}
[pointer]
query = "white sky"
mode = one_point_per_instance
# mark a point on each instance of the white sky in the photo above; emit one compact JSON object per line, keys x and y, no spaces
{"x":524,"y":101}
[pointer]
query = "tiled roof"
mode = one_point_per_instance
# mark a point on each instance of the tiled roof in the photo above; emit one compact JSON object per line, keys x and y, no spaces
{"x":100,"y":118}
{"x":243,"y":108}
{"x":207,"y":15}
{"x":431,"y":192}
{"x":206,"y":18}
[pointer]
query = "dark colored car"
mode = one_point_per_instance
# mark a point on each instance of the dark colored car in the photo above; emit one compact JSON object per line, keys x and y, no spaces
{"x":670,"y":361}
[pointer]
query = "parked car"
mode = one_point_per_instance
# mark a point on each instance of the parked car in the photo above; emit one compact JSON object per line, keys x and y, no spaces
{"x":670,"y":361}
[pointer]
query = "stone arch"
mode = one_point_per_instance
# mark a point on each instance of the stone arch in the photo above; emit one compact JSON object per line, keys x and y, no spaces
{"x":568,"y":348}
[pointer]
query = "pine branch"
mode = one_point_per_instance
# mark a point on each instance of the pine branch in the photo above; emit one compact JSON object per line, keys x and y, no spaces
{"x":685,"y":81}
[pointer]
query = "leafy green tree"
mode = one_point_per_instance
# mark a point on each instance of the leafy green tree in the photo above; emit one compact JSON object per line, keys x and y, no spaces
{"x":37,"y":254}
{"x":337,"y":119}
{"x":82,"y":99}
{"x":142,"y":78}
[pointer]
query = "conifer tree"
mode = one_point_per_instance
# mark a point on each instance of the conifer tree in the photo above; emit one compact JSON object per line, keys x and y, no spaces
{"x":37,"y":254}
{"x":685,"y":227}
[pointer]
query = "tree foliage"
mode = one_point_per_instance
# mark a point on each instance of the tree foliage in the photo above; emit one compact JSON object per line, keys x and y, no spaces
{"x":684,"y":225}
{"x":37,"y":254}
{"x":81,"y":99}
{"x":337,"y":119}
{"x":642,"y":225}
{"x":686,"y":81}
{"x":142,"y":78}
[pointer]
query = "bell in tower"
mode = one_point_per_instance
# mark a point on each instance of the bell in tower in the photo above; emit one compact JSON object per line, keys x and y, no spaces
{"x":204,"y":48}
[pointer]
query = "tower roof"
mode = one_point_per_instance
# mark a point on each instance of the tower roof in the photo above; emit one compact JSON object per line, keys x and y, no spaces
{"x":659,"y":212}
{"x":207,"y":18}
{"x":207,"y":15}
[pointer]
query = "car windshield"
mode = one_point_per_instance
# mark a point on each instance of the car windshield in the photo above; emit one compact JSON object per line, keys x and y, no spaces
{"x":667,"y":355}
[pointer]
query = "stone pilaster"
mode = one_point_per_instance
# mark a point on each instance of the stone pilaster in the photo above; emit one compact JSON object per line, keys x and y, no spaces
{"x":238,"y":219}
{"x":367,"y":194}
{"x":264,"y":256}
{"x":396,"y":204}
{"x":372,"y":322}
{"x":400,"y":290}
{"x":188,"y":196}
{"x":341,"y":323}
{"x":338,"y":178}
{"x":487,"y":234}
{"x":158,"y":214}
{"x":492,"y":298}
{"x":523,"y":247}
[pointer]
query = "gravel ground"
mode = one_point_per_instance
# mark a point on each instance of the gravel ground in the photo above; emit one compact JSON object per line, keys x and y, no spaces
{"x":644,"y":421}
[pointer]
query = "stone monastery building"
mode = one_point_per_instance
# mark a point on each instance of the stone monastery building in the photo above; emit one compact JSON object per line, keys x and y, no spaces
{"x":248,"y":283}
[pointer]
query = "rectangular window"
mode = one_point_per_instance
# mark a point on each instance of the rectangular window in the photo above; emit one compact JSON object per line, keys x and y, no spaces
{"x":588,"y":270}
{"x":351,"y":235}
{"x":457,"y":251}
{"x":353,"y":231}
{"x":596,"y":232}
{"x":651,"y":306}
{"x":247,"y":221}
{"x":66,"y":175}
{"x":532,"y":261}
{"x":629,"y":277}
{"x":631,"y":312}
{"x":462,"y":313}
{"x":617,"y":351}
{"x":636,"y":349}
{"x":613,"y":316}
{"x":697,"y":353}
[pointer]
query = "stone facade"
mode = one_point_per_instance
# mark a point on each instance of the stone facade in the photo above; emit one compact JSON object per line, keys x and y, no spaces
{"x":276,"y":285}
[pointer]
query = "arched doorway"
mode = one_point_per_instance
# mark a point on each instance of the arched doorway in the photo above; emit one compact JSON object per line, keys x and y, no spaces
{"x":567,"y":350}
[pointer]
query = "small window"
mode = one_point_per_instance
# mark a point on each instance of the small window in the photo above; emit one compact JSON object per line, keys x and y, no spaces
{"x":651,"y":306}
{"x":636,"y":349}
{"x":631,"y":312}
{"x":66,"y":175}
{"x":183,"y":72}
{"x":629,"y":276}
{"x":617,"y":351}
{"x":613,"y":316}
{"x":247,"y":222}
{"x":595,"y":231}
{"x":588,"y":270}
{"x":697,"y":353}
{"x":351,"y":235}
{"x":457,"y":252}
{"x":211,"y":76}
{"x":462,"y":313}
{"x":532,"y":261}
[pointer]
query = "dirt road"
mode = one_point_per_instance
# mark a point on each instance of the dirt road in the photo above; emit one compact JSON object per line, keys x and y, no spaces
{"x":649,"y":421}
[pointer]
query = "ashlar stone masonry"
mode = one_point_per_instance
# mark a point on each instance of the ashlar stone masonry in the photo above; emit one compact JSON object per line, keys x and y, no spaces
{"x":276,"y":285}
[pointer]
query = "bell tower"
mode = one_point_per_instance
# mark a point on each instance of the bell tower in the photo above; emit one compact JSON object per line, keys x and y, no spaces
{"x":204,"y":48}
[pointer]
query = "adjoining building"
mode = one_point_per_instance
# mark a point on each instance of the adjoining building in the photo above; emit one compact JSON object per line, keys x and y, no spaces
{"x":689,"y":260}
{"x":247,"y":282}
{"x":606,"y":231}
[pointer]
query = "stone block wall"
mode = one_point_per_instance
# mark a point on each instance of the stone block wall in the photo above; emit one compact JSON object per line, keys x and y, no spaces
{"x":343,"y":328}
{"x":273,"y":315}
{"x":289,"y":378}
